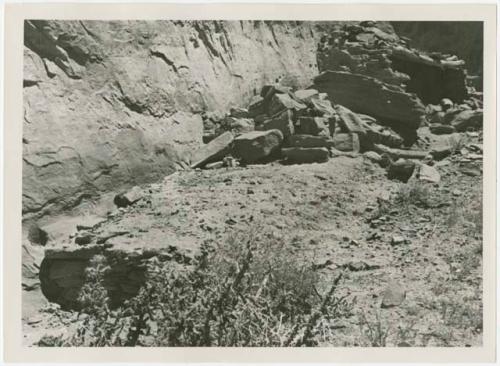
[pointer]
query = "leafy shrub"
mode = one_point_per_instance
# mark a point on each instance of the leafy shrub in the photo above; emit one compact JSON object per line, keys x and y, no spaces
{"x":250,"y":291}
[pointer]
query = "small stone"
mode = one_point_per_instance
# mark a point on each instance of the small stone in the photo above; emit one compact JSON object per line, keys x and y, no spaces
{"x":128,"y":198}
{"x":456,"y":193}
{"x":84,"y":238}
{"x":215,"y":165}
{"x":372,"y":156}
{"x":397,"y":240}
{"x":429,"y":174}
{"x":394,"y":295}
{"x":250,"y":191}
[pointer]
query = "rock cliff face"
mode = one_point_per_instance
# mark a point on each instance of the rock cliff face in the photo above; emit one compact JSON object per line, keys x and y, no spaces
{"x":114,"y":104}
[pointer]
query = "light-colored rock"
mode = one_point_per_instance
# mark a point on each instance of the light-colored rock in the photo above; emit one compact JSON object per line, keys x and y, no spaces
{"x":305,"y":95}
{"x":254,"y":146}
{"x":350,"y":121}
{"x":214,"y":150}
{"x":429,"y":174}
{"x":393,"y":295}
{"x":372,"y":156}
{"x":346,"y":142}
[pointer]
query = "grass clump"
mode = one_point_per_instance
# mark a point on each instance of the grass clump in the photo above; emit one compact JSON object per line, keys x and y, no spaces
{"x":249,"y":291}
{"x":413,"y":193}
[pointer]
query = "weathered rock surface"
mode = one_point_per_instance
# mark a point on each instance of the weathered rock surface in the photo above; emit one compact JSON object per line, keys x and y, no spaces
{"x":317,"y":126}
{"x":363,"y":94}
{"x":214,"y":150}
{"x":254,"y":146}
{"x":109,"y":105}
{"x":346,"y":142}
{"x":310,"y":141}
{"x":282,"y":122}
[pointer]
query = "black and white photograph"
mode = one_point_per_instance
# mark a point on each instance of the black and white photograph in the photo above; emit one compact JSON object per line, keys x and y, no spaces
{"x":252,"y":183}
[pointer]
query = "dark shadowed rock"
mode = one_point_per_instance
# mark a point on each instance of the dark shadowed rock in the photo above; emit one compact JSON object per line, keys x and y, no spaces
{"x":214,"y":150}
{"x":313,"y":126}
{"x":401,"y":170}
{"x":440,"y":129}
{"x":37,"y":235}
{"x":254,"y":146}
{"x":128,"y":198}
{"x":310,"y":141}
{"x":468,"y":119}
{"x":346,"y":142}
{"x":282,"y":122}
{"x":299,"y":155}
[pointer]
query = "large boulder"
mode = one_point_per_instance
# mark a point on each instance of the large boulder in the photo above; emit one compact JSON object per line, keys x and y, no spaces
{"x":214,"y":150}
{"x":300,"y":155}
{"x":253,"y":146}
{"x":362,"y":94}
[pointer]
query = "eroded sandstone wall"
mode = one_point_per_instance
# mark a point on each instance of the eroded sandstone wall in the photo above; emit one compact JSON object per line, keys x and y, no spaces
{"x":112,"y":104}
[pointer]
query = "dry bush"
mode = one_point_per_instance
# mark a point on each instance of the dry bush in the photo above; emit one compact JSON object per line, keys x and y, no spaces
{"x":413,"y":193}
{"x":249,"y":291}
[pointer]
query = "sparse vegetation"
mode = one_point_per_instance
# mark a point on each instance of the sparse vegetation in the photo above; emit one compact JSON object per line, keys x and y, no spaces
{"x":247,"y":292}
{"x":413,"y":193}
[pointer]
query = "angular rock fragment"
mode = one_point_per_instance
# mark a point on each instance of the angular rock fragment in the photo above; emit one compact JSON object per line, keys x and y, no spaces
{"x":214,"y":150}
{"x":280,"y":102}
{"x":440,"y":129}
{"x":214,"y":165}
{"x":128,"y":198}
{"x":401,"y":170}
{"x":468,"y":119}
{"x":238,"y":112}
{"x":305,"y":95}
{"x":310,"y":141}
{"x":400,"y":153}
{"x":350,"y":121}
{"x":238,"y":125}
{"x":429,"y":174}
{"x":346,"y":142}
{"x":37,"y":235}
{"x":300,"y":155}
{"x":282,"y":122}
{"x":317,"y":126}
{"x":254,"y":146}
{"x":322,"y":107}
{"x":257,"y":107}
{"x":373,"y":156}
